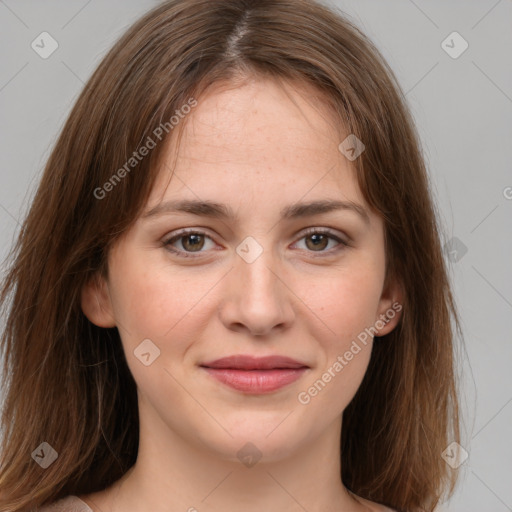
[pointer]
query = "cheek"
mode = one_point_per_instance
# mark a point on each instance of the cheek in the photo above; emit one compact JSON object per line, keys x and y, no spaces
{"x":156,"y":302}
{"x":344,"y":359}
{"x":143,"y":304}
{"x":336,"y":386}
{"x":152,"y":303}
{"x":347,"y":302}
{"x":336,"y":380}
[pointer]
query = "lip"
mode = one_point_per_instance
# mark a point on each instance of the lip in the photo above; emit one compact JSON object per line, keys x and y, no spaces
{"x":255,"y":374}
{"x":246,"y":362}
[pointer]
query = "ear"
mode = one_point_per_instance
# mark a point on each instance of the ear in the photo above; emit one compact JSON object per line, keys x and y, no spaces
{"x":390,"y":306}
{"x":96,"y":302}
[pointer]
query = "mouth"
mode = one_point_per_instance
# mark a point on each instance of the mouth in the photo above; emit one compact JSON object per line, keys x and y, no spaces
{"x":255,"y":375}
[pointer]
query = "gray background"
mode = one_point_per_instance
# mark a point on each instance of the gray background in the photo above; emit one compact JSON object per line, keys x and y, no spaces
{"x":463,"y":109}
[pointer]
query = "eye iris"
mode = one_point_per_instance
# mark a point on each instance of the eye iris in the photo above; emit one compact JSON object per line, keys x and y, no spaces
{"x":192,"y":247}
{"x":320,"y":241}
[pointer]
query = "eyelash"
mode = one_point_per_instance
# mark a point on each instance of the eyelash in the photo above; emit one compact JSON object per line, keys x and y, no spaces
{"x":312,"y":231}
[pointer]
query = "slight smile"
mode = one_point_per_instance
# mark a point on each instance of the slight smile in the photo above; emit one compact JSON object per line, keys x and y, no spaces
{"x":256,"y":375}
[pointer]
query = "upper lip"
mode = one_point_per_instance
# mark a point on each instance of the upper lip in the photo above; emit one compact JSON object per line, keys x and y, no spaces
{"x":246,"y":362}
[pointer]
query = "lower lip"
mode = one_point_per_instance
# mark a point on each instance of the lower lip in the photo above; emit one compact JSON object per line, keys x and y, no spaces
{"x":256,"y":381}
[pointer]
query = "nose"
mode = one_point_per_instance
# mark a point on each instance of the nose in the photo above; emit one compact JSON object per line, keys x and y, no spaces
{"x":257,"y":299}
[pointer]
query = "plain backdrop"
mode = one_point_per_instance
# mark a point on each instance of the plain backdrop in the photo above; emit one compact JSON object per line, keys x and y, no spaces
{"x":462,"y":104}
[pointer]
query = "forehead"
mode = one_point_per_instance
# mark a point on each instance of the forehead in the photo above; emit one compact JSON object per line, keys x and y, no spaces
{"x":261,"y":114}
{"x":260,"y":135}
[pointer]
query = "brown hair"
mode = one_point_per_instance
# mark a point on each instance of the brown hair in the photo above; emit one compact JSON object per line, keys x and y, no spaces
{"x":68,"y":383}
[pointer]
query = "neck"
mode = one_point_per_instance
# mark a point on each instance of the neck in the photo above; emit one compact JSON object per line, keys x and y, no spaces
{"x":175,"y":473}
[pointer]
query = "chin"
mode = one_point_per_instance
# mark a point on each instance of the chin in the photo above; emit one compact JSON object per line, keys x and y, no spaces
{"x":264,"y":440}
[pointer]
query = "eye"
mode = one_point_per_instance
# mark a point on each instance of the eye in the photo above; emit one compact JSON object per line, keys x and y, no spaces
{"x":190,"y":241}
{"x":317,"y":240}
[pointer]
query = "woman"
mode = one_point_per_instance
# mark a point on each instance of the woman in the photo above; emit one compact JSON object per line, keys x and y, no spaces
{"x":229,"y":291}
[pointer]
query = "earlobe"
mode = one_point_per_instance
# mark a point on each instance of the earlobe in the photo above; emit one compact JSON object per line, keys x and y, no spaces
{"x":96,"y":303}
{"x":390,"y":308}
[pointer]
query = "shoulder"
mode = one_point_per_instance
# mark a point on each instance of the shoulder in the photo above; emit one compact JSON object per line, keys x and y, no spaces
{"x":68,"y":504}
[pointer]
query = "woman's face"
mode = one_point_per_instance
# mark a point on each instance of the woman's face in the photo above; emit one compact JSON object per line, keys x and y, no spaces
{"x":272,"y":277}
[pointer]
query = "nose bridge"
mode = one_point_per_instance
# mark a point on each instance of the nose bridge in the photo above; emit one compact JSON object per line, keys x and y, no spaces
{"x":256,"y":267}
{"x":257,"y":299}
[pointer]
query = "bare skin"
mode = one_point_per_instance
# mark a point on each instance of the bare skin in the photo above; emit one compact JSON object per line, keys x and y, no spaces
{"x":257,"y":148}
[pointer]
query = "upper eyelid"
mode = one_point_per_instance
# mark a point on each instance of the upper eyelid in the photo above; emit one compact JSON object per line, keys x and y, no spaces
{"x":304,"y":232}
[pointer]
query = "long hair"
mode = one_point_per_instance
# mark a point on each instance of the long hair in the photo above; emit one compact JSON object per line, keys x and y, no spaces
{"x":66,"y":380}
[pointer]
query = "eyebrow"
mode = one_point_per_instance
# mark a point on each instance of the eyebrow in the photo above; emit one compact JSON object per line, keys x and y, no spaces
{"x":223,"y":211}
